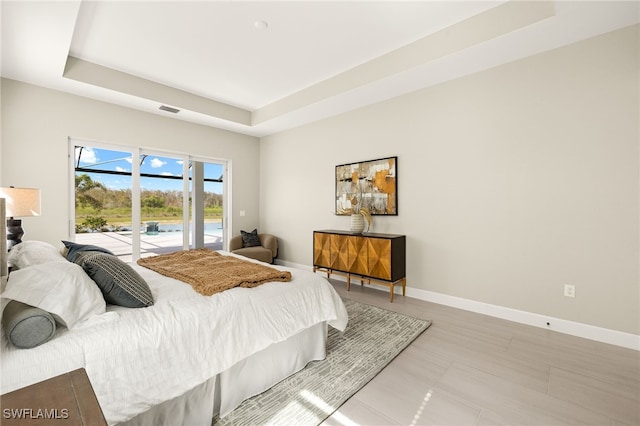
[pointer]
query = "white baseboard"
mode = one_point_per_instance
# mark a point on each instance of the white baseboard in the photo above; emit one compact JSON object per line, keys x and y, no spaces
{"x":600,"y":334}
{"x":587,"y":331}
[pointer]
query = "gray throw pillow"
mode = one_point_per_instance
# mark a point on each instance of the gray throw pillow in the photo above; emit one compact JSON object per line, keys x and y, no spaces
{"x":119,"y":282}
{"x":74,"y":248}
{"x":250,"y":239}
{"x":27,"y":326}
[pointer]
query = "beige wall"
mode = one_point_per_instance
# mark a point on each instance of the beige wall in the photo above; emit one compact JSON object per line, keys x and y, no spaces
{"x":37,"y":123}
{"x":512,"y":182}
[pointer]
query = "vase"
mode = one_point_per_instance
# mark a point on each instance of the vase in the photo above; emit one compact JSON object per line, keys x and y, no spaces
{"x":357,"y":223}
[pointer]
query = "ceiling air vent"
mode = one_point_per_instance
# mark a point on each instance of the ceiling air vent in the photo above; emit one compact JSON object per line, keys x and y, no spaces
{"x":169,"y":109}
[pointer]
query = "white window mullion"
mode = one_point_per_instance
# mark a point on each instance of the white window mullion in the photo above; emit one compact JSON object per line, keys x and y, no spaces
{"x":227,"y":208}
{"x":136,"y":216}
{"x":72,"y":189}
{"x":185,"y":203}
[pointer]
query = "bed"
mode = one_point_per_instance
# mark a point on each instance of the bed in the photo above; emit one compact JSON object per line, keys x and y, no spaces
{"x":188,"y":356}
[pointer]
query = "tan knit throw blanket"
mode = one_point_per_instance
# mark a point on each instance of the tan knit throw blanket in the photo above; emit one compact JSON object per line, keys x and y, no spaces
{"x":210,"y":272}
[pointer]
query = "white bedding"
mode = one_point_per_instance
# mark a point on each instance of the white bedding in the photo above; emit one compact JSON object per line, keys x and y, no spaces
{"x":138,"y":358}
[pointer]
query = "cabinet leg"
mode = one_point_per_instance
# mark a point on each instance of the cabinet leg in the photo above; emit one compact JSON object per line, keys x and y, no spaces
{"x":391,"y":293}
{"x":348,"y":282}
{"x":404,"y":286}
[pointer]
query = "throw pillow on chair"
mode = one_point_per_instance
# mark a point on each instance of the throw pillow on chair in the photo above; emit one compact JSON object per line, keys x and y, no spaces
{"x":250,"y":239}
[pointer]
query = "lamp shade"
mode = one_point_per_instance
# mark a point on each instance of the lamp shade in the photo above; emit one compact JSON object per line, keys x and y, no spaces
{"x":21,"y":202}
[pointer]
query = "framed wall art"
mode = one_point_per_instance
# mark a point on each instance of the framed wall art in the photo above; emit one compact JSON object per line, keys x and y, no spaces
{"x":369,"y":184}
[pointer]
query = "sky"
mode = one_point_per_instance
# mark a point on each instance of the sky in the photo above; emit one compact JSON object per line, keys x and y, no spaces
{"x":103,"y":159}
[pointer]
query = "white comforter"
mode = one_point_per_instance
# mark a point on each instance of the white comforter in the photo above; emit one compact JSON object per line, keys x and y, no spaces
{"x":138,"y":358}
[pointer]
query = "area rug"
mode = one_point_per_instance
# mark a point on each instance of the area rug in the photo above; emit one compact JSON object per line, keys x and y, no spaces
{"x":373,"y":337}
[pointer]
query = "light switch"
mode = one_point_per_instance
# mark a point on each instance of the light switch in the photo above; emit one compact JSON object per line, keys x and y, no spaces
{"x":242,"y":213}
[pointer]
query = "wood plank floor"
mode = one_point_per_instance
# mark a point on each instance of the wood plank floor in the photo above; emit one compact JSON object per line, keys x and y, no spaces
{"x":472,"y":369}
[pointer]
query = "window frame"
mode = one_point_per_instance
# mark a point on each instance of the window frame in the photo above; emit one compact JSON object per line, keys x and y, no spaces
{"x":136,"y":216}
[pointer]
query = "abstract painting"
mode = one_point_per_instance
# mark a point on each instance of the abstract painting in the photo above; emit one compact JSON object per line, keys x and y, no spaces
{"x":369,"y":184}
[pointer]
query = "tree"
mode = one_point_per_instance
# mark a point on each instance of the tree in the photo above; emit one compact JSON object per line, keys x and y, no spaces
{"x":89,"y":192}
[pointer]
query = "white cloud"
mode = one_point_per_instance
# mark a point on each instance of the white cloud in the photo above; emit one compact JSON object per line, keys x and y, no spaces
{"x":88,"y":155}
{"x":156,"y":163}
{"x":121,"y":169}
{"x":166,"y":174}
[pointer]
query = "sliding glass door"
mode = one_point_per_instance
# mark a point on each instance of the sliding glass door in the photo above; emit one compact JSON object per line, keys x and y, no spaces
{"x":156,"y":204}
{"x":207,"y":202}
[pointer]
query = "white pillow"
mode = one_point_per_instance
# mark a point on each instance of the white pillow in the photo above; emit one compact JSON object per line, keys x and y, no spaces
{"x":60,"y":288}
{"x":29,"y":253}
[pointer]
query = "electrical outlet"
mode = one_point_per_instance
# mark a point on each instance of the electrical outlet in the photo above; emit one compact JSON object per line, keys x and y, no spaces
{"x":570,"y":290}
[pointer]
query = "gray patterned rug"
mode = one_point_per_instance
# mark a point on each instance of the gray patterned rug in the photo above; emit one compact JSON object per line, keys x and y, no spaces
{"x":373,"y":337}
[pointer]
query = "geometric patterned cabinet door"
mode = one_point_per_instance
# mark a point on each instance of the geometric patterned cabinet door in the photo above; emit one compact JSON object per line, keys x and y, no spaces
{"x":378,"y":257}
{"x":322,"y":249}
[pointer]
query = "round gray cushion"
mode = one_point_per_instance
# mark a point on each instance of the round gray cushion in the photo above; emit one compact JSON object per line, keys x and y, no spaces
{"x":27,"y":326}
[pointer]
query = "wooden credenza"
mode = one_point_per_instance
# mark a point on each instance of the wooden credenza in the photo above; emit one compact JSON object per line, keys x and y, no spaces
{"x":369,"y":256}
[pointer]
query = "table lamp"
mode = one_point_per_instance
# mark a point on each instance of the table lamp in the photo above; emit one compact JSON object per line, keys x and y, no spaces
{"x":20,"y":202}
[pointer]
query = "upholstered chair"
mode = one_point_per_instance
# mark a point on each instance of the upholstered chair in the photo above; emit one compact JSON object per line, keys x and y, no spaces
{"x":267,"y":251}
